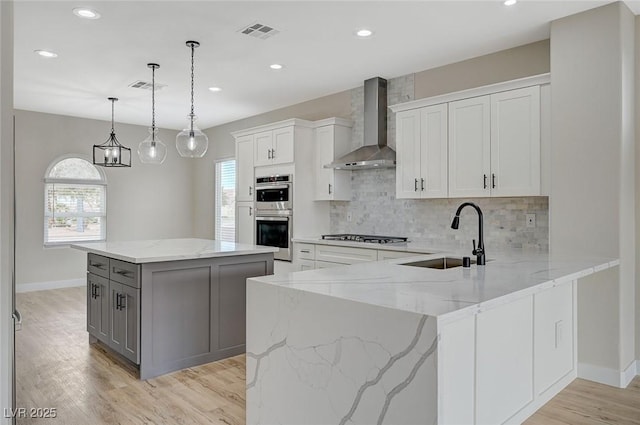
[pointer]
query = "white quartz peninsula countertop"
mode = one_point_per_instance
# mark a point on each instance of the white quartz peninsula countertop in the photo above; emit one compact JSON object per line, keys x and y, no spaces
{"x":445,"y":294}
{"x":153,"y":251}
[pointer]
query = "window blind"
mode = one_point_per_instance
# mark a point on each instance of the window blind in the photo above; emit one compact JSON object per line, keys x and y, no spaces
{"x":225,"y":195}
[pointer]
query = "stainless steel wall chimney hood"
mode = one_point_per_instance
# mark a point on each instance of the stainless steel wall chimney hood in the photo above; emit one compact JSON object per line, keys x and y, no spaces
{"x":375,"y":153}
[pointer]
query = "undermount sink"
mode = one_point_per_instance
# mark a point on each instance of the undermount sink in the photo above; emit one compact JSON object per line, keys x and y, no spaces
{"x":438,"y":263}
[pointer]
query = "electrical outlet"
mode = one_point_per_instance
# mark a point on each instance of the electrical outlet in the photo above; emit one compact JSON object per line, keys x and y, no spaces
{"x":349,"y":216}
{"x":531,"y":220}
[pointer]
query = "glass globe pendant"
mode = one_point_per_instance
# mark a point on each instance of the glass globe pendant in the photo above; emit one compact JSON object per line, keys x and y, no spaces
{"x":151,"y":150}
{"x":192,"y":142}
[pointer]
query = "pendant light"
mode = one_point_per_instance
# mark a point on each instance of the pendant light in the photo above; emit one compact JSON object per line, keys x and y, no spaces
{"x":192,"y":142}
{"x":151,"y":150}
{"x":111,"y":153}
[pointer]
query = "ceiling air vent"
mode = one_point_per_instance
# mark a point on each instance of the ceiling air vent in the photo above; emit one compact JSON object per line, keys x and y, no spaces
{"x":145,"y":85}
{"x":259,"y":30}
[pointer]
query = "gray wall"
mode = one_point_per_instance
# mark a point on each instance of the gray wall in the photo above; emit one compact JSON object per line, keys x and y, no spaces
{"x":143,"y":202}
{"x":6,"y":205}
{"x":593,"y":195}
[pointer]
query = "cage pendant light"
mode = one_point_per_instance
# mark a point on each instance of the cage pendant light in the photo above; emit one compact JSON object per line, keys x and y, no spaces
{"x":192,"y":142}
{"x":151,"y":150}
{"x":112,"y":153}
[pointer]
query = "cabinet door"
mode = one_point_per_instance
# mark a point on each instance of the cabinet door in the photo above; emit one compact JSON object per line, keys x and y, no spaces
{"x":504,"y":361}
{"x":263,"y":143}
{"x":116,"y":318}
{"x":245,"y":223}
{"x":408,"y":154}
{"x":282,"y":150}
{"x":515,"y":142}
{"x":306,"y":265}
{"x":98,"y":307}
{"x":324,"y":137}
{"x":469,"y":147}
{"x":433,"y":152}
{"x":244,"y":169}
{"x":130,"y":311}
{"x":553,"y":337}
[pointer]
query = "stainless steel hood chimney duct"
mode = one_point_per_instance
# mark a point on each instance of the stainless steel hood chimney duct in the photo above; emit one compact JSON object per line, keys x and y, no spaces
{"x":375,"y":153}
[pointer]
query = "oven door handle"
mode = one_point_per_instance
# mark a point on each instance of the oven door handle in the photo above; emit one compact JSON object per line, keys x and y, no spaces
{"x":279,"y":218}
{"x":273,"y":186}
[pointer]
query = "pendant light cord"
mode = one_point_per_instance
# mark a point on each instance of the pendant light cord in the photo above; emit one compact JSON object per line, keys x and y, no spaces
{"x":192,"y":78}
{"x":113,"y":101}
{"x":153,"y":105}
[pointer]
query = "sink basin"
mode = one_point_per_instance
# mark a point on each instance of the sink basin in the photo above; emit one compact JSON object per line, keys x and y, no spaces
{"x":438,"y":263}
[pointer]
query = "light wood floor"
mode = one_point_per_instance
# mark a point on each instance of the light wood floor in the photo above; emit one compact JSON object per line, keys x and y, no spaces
{"x":56,"y":367}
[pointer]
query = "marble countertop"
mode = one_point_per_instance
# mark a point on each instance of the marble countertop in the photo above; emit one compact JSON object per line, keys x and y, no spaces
{"x":152,"y":251}
{"x":445,"y":294}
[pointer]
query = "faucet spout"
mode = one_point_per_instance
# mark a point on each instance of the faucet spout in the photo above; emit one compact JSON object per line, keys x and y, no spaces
{"x":479,"y":251}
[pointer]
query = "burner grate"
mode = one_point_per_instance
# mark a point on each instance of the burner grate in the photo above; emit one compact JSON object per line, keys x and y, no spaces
{"x":365,"y":238}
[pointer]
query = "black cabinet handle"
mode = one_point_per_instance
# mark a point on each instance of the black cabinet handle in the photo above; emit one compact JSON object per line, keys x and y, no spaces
{"x":415,"y":185}
{"x":250,"y":211}
{"x":250,"y":191}
{"x":97,"y":265}
{"x":422,"y":184}
{"x":122,"y":298}
{"x":273,"y":154}
{"x":117,"y":300}
{"x":493,"y":180}
{"x":93,"y":290}
{"x":329,"y":188}
{"x":485,"y":181}
{"x":121,"y":272}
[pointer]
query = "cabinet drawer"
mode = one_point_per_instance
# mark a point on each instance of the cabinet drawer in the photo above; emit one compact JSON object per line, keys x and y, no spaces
{"x":125,"y":273}
{"x":345,"y":255}
{"x":98,"y":265}
{"x":326,"y":265}
{"x":389,"y":255}
{"x":305,"y":251}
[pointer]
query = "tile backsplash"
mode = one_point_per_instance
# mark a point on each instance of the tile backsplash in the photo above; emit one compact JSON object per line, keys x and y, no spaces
{"x":374,"y":209}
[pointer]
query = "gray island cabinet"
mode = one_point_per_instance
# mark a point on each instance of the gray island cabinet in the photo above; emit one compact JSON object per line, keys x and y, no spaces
{"x":170,"y":304}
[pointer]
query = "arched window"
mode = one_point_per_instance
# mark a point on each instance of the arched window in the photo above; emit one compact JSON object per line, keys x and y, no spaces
{"x":75,"y":195}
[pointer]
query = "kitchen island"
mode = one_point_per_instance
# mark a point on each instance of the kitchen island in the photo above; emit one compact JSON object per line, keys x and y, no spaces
{"x":385,"y":342}
{"x":170,"y":304}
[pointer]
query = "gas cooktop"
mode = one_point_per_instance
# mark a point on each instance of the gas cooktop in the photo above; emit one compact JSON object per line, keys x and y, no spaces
{"x":364,"y":238}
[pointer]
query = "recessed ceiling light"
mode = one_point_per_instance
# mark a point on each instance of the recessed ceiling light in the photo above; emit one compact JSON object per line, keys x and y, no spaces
{"x":86,"y":13}
{"x":275,"y":66}
{"x":510,"y":2}
{"x":215,"y":89}
{"x":364,"y":33}
{"x":46,"y":53}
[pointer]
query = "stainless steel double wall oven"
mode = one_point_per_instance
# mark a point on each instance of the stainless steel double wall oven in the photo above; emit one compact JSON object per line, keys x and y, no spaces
{"x":274,"y":214}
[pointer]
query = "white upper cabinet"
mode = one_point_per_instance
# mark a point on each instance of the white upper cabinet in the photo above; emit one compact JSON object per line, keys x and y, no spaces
{"x":274,"y":147}
{"x":244,"y":168}
{"x":494,"y":144}
{"x":479,"y":142}
{"x":470,"y":147}
{"x":421,"y":153}
{"x":331,"y":140}
{"x":515,"y":142}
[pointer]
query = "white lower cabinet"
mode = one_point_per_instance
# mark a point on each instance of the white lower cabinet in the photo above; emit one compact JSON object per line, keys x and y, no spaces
{"x":344,"y":254}
{"x":553,"y":325}
{"x":502,"y":364}
{"x":504,"y":361}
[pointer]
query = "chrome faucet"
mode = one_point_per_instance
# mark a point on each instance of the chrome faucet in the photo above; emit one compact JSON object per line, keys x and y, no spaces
{"x":479,"y":251}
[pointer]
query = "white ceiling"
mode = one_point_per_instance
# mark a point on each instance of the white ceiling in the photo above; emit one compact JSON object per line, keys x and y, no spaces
{"x":100,"y":58}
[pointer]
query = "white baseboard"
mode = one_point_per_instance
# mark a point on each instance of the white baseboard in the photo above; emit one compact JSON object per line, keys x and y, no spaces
{"x":627,"y":376}
{"x":56,"y":284}
{"x":607,"y":376}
